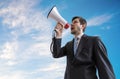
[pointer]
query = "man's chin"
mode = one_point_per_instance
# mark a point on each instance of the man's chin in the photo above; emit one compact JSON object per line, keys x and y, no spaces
{"x":72,"y":32}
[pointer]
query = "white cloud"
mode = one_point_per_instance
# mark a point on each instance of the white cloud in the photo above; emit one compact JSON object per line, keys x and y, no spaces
{"x":36,"y":50}
{"x":14,"y":12}
{"x":11,"y":63}
{"x":8,"y":50}
{"x":22,"y":14}
{"x":106,"y":28}
{"x":13,"y":75}
{"x":53,"y":67}
{"x":25,"y":20}
{"x":29,"y":33}
{"x":98,"y":20}
{"x":66,"y":32}
{"x":53,"y":70}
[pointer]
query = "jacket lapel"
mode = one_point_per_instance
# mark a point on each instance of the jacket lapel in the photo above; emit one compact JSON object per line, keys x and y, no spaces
{"x":82,"y":43}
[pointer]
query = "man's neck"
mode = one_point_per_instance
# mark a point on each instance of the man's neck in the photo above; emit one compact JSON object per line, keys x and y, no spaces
{"x":79,"y":34}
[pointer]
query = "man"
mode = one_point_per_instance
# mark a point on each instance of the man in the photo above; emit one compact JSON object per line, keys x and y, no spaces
{"x":84,"y":58}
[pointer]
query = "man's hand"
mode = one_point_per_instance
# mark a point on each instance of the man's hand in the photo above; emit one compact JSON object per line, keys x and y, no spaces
{"x":59,"y":30}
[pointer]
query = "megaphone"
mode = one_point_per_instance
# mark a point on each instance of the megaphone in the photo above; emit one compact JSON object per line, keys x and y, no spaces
{"x":54,"y":14}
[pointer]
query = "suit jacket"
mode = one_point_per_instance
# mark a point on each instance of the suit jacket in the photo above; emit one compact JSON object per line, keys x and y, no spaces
{"x":91,"y":55}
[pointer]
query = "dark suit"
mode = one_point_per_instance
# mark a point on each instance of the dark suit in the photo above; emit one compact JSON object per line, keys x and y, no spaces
{"x":91,"y":55}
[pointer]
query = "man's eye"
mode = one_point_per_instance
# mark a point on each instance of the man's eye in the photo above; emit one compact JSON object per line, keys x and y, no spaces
{"x":75,"y":22}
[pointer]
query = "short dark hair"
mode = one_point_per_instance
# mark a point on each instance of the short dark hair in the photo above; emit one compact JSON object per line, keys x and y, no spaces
{"x":82,"y":21}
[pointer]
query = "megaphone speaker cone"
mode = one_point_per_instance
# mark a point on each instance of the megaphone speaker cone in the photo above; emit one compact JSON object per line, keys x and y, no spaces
{"x":54,"y":14}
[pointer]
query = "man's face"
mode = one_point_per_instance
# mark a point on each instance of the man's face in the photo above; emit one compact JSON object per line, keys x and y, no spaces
{"x":75,"y":27}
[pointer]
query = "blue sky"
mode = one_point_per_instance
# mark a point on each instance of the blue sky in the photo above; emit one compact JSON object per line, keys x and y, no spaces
{"x":25,"y":35}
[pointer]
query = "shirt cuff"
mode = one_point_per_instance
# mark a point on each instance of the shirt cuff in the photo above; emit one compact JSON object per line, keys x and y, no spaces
{"x":58,"y":37}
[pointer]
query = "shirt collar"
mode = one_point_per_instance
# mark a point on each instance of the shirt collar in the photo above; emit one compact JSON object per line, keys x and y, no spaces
{"x":79,"y":36}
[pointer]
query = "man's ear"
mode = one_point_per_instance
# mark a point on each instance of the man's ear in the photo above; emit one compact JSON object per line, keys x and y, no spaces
{"x":83,"y":26}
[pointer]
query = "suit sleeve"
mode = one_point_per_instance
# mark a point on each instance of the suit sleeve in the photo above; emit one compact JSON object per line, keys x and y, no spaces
{"x":58,"y":51}
{"x":102,"y":62}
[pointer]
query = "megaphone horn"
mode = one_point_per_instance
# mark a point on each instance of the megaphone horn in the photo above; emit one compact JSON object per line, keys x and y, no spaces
{"x":56,"y":16}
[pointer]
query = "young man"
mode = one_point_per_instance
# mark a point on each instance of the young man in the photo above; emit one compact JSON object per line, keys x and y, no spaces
{"x":85,"y":54}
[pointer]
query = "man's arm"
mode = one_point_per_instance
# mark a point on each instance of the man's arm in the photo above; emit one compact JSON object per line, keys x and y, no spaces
{"x":103,"y":64}
{"x":57,"y":50}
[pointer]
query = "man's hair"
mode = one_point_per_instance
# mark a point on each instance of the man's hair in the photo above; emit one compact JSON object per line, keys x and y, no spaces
{"x":82,"y":21}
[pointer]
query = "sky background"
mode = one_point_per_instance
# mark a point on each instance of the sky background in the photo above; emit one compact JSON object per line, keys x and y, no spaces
{"x":25,"y":35}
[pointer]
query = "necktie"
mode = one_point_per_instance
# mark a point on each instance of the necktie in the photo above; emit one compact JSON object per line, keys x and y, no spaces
{"x":76,"y":42}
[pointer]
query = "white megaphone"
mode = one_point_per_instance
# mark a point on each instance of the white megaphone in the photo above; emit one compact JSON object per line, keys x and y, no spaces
{"x":56,"y":16}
